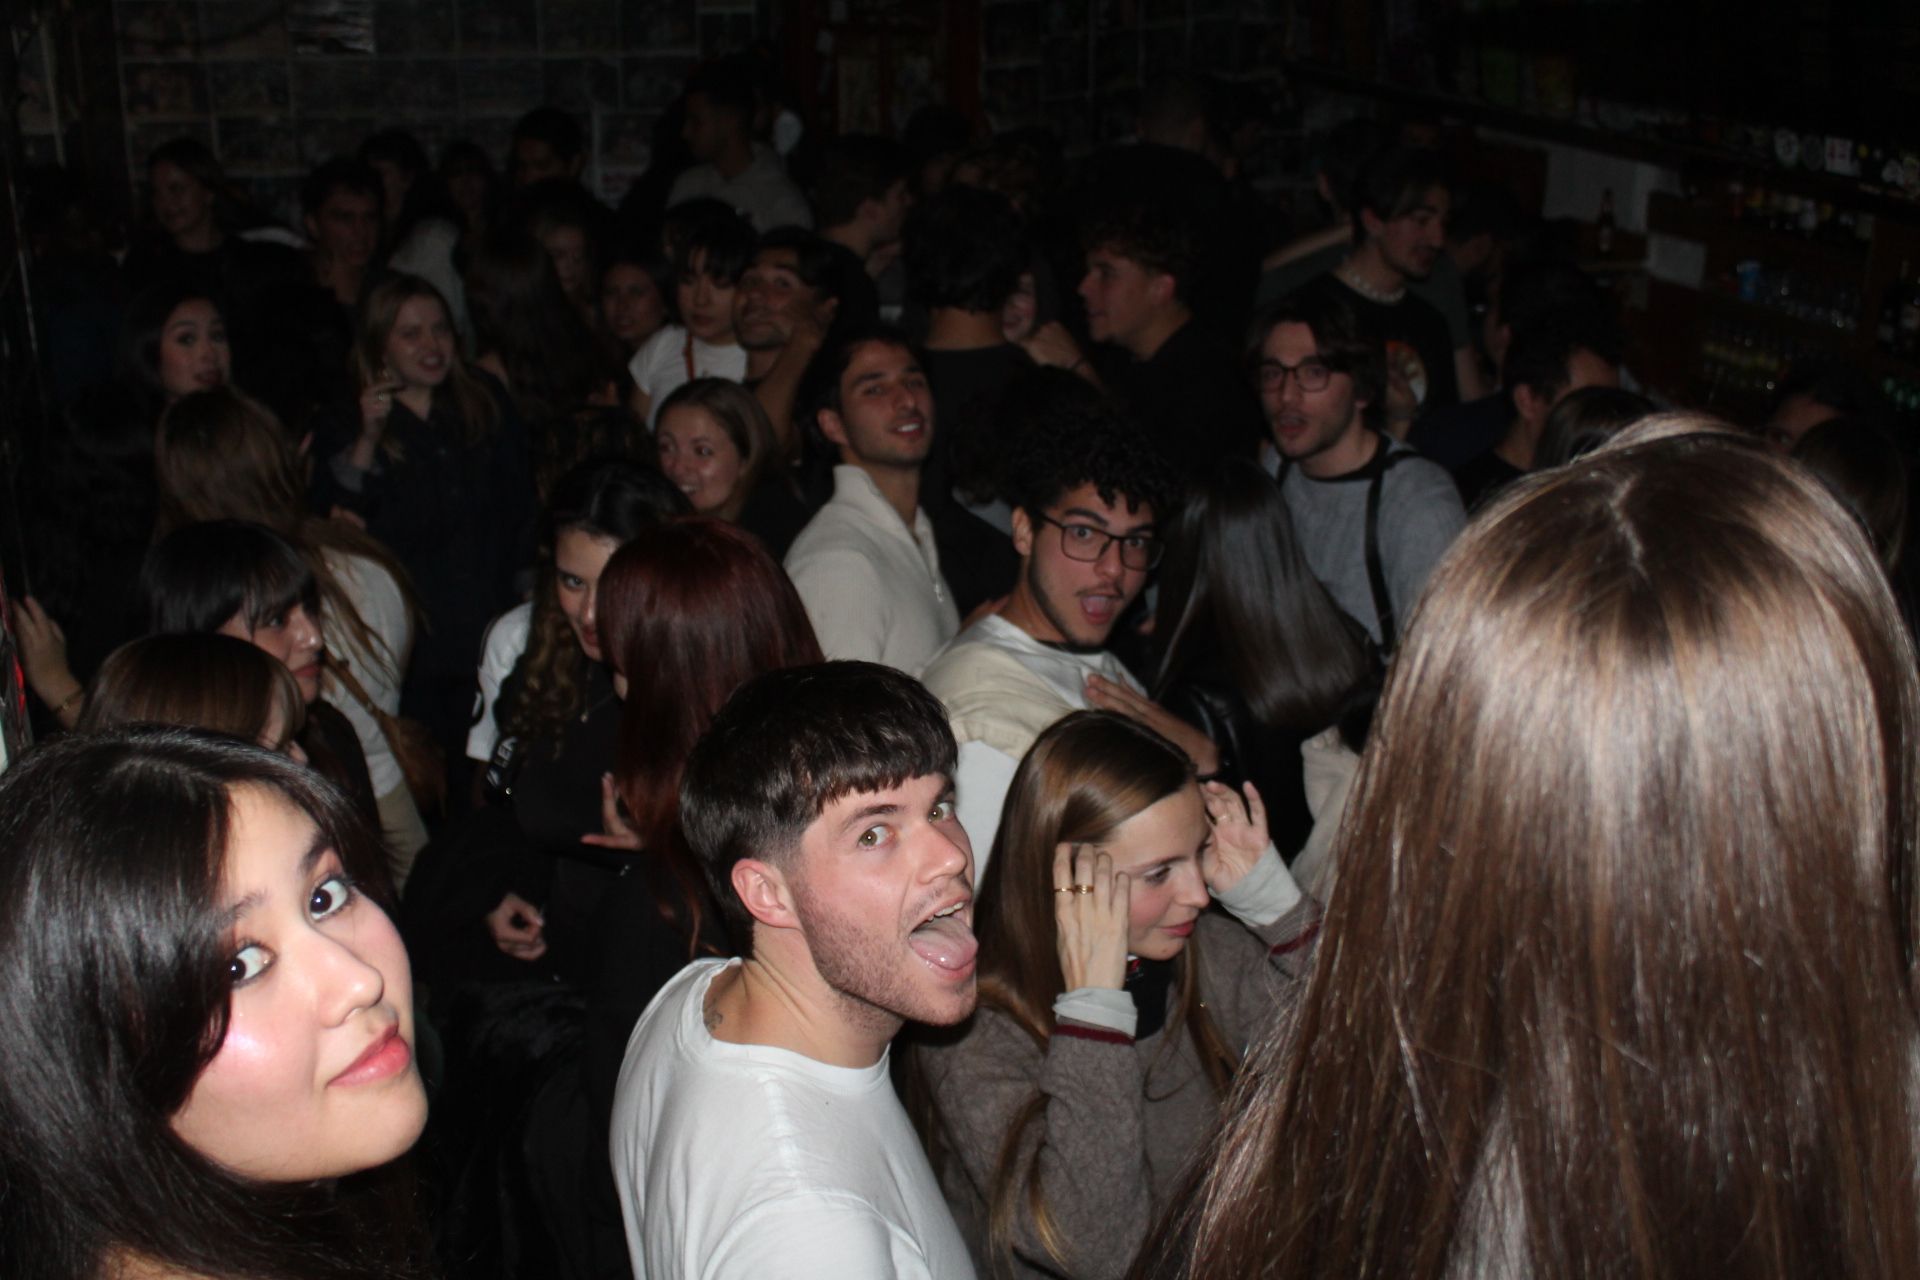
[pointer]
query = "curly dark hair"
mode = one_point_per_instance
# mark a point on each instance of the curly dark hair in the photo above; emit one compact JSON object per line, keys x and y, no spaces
{"x":966,"y":248}
{"x":1058,"y":433}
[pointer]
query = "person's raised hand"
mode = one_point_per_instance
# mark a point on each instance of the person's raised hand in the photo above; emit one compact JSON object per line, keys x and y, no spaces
{"x":518,"y":928}
{"x":376,"y":406}
{"x":43,"y":652}
{"x":615,"y":831}
{"x":1239,"y":835}
{"x":1090,"y":914}
{"x":1112,"y":695}
{"x":1053,"y":345}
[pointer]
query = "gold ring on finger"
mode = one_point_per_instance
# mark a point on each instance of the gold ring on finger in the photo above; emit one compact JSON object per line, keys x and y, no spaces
{"x":1083,"y":888}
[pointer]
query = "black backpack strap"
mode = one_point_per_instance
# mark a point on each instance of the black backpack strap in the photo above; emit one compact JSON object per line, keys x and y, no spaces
{"x":1383,"y":462}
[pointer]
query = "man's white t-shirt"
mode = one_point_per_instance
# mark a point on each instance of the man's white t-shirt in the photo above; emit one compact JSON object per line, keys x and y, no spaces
{"x":750,"y":1161}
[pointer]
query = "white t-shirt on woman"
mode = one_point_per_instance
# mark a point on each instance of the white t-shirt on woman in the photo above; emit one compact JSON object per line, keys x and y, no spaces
{"x":673,"y":357}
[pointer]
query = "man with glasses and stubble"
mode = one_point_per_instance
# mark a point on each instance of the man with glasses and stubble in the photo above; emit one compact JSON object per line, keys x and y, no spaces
{"x":1087,"y":496}
{"x":1371,"y":514}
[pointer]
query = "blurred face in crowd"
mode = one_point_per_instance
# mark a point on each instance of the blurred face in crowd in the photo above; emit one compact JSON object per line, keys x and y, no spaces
{"x":293,"y":636}
{"x":891,"y":213}
{"x":567,"y":247}
{"x":886,"y":409}
{"x":1411,"y":241}
{"x":772,"y":300}
{"x":1075,"y":599}
{"x":1584,"y":369}
{"x":706,"y":303}
{"x":182,"y":205}
{"x":1316,"y":428}
{"x":579,"y":558}
{"x":1020,"y":316}
{"x":710,"y":128}
{"x":1797,"y":415}
{"x":420,"y":350}
{"x":537,"y":161}
{"x":315,"y":1077}
{"x":1123,"y":297}
{"x":395,"y":183}
{"x":346,"y":227}
{"x":632,"y":306}
{"x":193,"y":354}
{"x":698,"y":455}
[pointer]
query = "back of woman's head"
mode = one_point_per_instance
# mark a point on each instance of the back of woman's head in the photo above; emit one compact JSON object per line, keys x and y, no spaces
{"x":613,"y":498}
{"x":1236,"y":590}
{"x":213,"y":682}
{"x":554,"y":362}
{"x":223,"y":455}
{"x":1861,"y":466}
{"x":1625,"y":919}
{"x":201,"y":576}
{"x":1587,"y":418}
{"x":689,"y":610}
{"x":115,"y":985}
{"x":1081,"y":779}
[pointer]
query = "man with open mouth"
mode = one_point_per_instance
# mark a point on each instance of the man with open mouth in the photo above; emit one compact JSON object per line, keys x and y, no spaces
{"x":755,"y":1128}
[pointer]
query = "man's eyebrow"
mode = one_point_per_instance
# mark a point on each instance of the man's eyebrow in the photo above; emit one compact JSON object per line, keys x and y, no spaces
{"x":1095,"y":517}
{"x":878,"y":809}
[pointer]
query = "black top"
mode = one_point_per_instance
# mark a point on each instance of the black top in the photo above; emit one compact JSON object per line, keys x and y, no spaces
{"x":967,"y":390}
{"x":775,"y":514}
{"x":1193,"y":397}
{"x":1457,"y":433}
{"x":1482,"y":478}
{"x":458,"y":514}
{"x":1416,"y":336}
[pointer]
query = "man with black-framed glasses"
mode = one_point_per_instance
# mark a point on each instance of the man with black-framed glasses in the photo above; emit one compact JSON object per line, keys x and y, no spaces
{"x":1089,"y":495}
{"x":1372,"y":515}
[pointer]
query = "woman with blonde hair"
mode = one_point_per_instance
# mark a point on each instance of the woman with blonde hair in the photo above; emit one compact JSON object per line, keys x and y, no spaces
{"x":435,"y":463}
{"x":1618,"y":979}
{"x":1114,"y":1006}
{"x":224,"y":456}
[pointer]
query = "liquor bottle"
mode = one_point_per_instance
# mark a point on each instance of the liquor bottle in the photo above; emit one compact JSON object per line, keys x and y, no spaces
{"x":1603,"y":226}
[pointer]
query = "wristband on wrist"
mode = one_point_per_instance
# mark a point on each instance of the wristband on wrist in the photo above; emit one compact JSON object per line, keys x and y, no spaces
{"x":79,"y":692}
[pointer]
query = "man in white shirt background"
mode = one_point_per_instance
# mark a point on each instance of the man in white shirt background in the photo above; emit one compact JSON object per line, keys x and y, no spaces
{"x":866,"y":565}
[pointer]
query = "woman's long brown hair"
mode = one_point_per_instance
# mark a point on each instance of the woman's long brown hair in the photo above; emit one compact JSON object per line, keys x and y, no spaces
{"x":1618,"y":979}
{"x":473,"y":409}
{"x":1081,"y":779}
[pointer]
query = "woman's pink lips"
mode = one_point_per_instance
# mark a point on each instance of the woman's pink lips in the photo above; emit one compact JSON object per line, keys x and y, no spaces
{"x":1179,"y":930}
{"x":385,"y":1057}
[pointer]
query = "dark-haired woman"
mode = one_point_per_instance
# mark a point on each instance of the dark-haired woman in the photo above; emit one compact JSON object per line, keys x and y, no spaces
{"x":636,"y":292}
{"x":436,"y":464}
{"x":716,"y":444}
{"x":219,"y":683}
{"x":209,"y":1070}
{"x":700,"y":343}
{"x":222,"y":455}
{"x":246,"y":581}
{"x":532,"y":337}
{"x":89,"y":513}
{"x":1114,"y":1006}
{"x":1252,"y":651}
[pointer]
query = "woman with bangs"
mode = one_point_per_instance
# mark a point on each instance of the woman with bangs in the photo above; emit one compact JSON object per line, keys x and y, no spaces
{"x":1114,"y":1004}
{"x":700,"y":343}
{"x":209,"y":1072}
{"x":436,"y":466}
{"x":212,"y":682}
{"x":232,"y":578}
{"x":1619,"y":977}
{"x":223,"y":455}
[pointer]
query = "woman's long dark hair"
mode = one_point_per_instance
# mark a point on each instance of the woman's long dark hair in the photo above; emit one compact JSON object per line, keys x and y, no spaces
{"x":555,"y":363}
{"x":1235,"y":589}
{"x":200,"y":576}
{"x":114,"y":985}
{"x":689,"y":611}
{"x":611,"y":498}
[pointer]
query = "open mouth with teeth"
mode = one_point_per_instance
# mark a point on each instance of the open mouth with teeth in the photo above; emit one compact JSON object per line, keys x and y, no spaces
{"x":945,"y":940}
